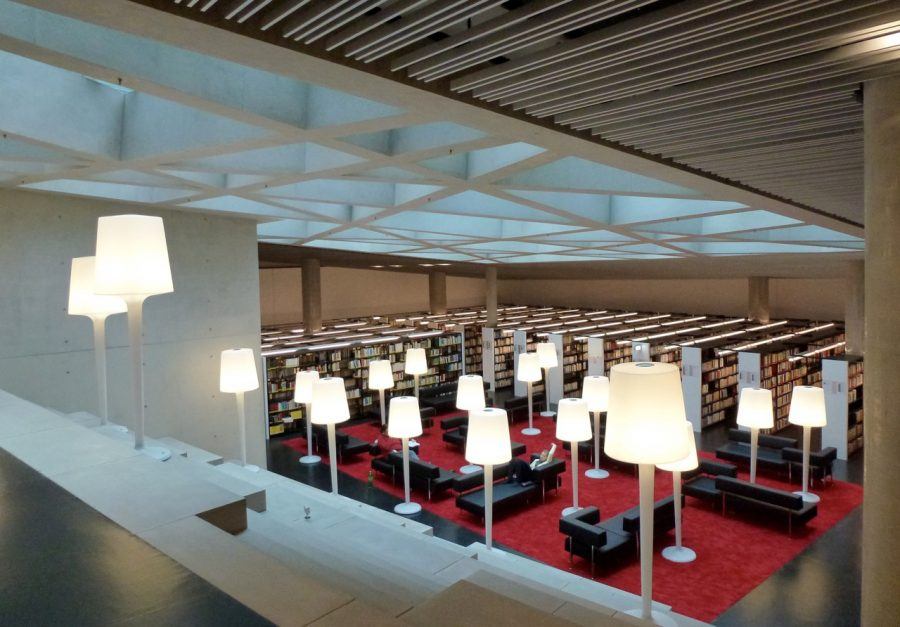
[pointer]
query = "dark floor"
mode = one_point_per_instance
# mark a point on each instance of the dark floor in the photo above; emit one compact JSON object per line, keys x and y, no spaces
{"x":63,"y":563}
{"x":820,"y":587}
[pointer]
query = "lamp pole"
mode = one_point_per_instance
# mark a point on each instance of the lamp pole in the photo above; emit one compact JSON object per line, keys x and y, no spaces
{"x":596,"y":472}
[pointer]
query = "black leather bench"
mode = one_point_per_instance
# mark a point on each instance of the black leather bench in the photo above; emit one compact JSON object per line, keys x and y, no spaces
{"x":701,"y":482}
{"x":820,"y":462}
{"x":452,"y":422}
{"x":585,"y":449}
{"x":768,"y":456}
{"x":612,"y":540}
{"x":422,"y":475}
{"x":441,"y":397}
{"x":506,"y":495}
{"x":457,"y":438}
{"x":548,"y":474}
{"x":744,"y":495}
{"x":517,"y":407}
{"x":347,"y":445}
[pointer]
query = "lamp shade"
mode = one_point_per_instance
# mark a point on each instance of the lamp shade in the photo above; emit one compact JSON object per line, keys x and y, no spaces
{"x":303,"y":385}
{"x":807,"y":406}
{"x":596,"y":392}
{"x":405,"y":419}
{"x":237,"y":371}
{"x":83,"y":301}
{"x":688,"y":462}
{"x":573,"y":422}
{"x":329,"y":401}
{"x":755,"y":409}
{"x":488,"y":439}
{"x":132,"y":257}
{"x":416,"y":363}
{"x":645,"y":418}
{"x":546,"y":352}
{"x":470,"y":392}
{"x":529,"y":367}
{"x":381,"y":377}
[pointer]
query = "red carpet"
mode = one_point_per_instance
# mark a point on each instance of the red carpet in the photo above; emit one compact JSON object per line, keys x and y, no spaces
{"x":734,"y":555}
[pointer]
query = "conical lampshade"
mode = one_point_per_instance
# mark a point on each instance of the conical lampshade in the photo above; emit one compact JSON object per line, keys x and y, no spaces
{"x":83,"y":300}
{"x":596,"y":392}
{"x":381,"y":377}
{"x":573,"y":421}
{"x":416,"y":361}
{"x":132,"y":256}
{"x":755,"y":409}
{"x":487,"y":441}
{"x":237,"y":371}
{"x":689,"y":461}
{"x":807,"y":406}
{"x":529,"y":368}
{"x":329,"y":401}
{"x":470,"y":392}
{"x":405,"y":418}
{"x":645,"y":418}
{"x":546,"y":352}
{"x":303,"y":385}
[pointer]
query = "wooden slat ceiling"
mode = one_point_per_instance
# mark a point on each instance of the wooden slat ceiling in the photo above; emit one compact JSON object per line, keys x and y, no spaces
{"x":765,"y":93}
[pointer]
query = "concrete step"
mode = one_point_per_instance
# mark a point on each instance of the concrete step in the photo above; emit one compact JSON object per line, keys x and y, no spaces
{"x":192,"y":453}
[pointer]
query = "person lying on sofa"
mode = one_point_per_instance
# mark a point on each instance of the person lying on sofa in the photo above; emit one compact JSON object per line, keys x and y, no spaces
{"x":519,"y":471}
{"x":546,"y":457}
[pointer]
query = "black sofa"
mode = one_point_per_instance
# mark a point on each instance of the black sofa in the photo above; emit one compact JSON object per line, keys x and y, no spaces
{"x":615,"y":539}
{"x":347,"y":445}
{"x":701,"y":482}
{"x":457,"y":438}
{"x":820,"y":462}
{"x":507,"y":494}
{"x":422,"y":475}
{"x":746,"y":496}
{"x":441,"y":397}
{"x":768,"y":456}
{"x":517,"y":407}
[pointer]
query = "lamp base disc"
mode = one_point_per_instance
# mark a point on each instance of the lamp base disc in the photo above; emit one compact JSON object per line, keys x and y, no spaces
{"x":116,"y":428}
{"x":570,"y":510}
{"x":548,"y":414}
{"x":680,"y":555}
{"x":596,"y":473}
{"x":156,"y":452}
{"x":251,"y":467}
{"x":310,"y":459}
{"x":468,"y":469}
{"x":407,"y":509}
{"x":808,"y":497}
{"x":531,"y":431}
{"x":658,"y":618}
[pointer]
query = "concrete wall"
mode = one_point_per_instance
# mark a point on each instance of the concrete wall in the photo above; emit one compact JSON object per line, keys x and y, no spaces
{"x":817,"y":299}
{"x":348,"y":292}
{"x":46,"y":355}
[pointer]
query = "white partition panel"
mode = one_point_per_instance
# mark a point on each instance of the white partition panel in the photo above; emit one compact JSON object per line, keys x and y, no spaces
{"x":640,"y":351}
{"x":555,"y":391}
{"x":835,"y":373}
{"x":520,"y":345}
{"x":488,"y":360}
{"x":595,"y":358}
{"x":749,"y":367}
{"x":691,"y":382}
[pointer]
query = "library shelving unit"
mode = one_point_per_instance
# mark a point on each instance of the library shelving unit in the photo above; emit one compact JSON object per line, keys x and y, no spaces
{"x":347,"y":356}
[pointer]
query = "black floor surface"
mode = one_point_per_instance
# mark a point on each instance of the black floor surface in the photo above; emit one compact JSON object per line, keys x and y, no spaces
{"x":63,"y":563}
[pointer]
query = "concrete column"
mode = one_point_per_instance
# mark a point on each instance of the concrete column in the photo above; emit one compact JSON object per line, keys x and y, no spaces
{"x":437,"y":292}
{"x":881,"y":518}
{"x":855,"y":308}
{"x":490,"y":296}
{"x":311,"y":289}
{"x":758,"y":299}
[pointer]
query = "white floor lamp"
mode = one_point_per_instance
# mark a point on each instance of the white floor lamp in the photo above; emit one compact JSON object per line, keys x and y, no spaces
{"x":488,"y":444}
{"x":84,"y":302}
{"x":645,"y":426}
{"x":596,"y":394}
{"x":529,"y":371}
{"x":132,"y":262}
{"x":808,"y":411}
{"x":470,"y":397}
{"x":303,"y":393}
{"x":755,"y":412}
{"x":237,"y":374}
{"x":573,"y":425}
{"x":405,"y":423}
{"x":381,"y":378}
{"x":680,"y":553}
{"x":416,"y":364}
{"x":546,"y":352}
{"x":329,"y":407}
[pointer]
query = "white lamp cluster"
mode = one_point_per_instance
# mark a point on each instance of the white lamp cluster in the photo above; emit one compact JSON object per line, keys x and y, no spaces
{"x":596,"y":394}
{"x":470,"y":398}
{"x":381,"y":378}
{"x":488,"y":444}
{"x":405,"y":423}
{"x":529,"y":371}
{"x":547,"y":358}
{"x":755,"y":412}
{"x":329,"y":408}
{"x":573,"y":425}
{"x":807,"y":410}
{"x":304,"y":383}
{"x":237,"y":374}
{"x":680,"y":553}
{"x":416,"y":365}
{"x":84,"y":301}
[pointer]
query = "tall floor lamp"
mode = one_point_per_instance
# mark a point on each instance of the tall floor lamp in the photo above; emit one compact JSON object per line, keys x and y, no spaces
{"x":329,"y":407}
{"x":488,"y":444}
{"x":405,"y":423}
{"x":303,"y":393}
{"x":416,"y":364}
{"x":645,"y":426}
{"x":808,"y":411}
{"x":84,"y":302}
{"x":381,"y":378}
{"x":546,"y":352}
{"x":132,"y":262}
{"x":237,"y":374}
{"x":573,"y":425}
{"x":596,"y":394}
{"x":680,"y":553}
{"x":755,"y":413}
{"x":470,"y":397}
{"x":529,"y":371}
